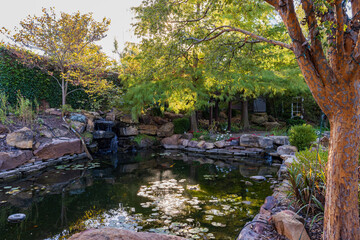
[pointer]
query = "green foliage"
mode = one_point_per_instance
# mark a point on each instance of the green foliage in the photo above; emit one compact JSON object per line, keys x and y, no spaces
{"x":281,"y":131}
{"x":3,"y":107}
{"x":201,"y":135}
{"x":33,"y":83}
{"x":307,"y":176}
{"x":181,"y":125}
{"x":295,"y":121}
{"x":301,"y":136}
{"x":24,"y":109}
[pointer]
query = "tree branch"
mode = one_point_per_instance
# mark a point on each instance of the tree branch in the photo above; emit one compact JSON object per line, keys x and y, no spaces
{"x":233,"y":29}
{"x":198,"y":19}
{"x":74,"y":90}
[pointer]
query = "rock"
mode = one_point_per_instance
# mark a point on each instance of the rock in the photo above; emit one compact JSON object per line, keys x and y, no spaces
{"x":58,"y":148}
{"x":128,"y":131}
{"x":94,"y":147}
{"x":209,"y":145}
{"x":10,"y":160}
{"x":78,"y":126}
{"x":126,"y":119}
{"x":59,"y":132}
{"x":166,"y":130}
{"x":16,"y":218}
{"x":3,"y":129}
{"x":280,"y":140}
{"x":45,"y":132}
{"x":172,"y":116}
{"x":270,"y":203}
{"x":247,"y":183}
{"x":120,"y":234}
{"x":77,"y":117}
{"x":103,"y":134}
{"x":187,"y":136}
{"x":53,"y":111}
{"x":265,"y":142}
{"x":159,"y":120}
{"x":325,"y":141}
{"x":183,"y":142}
{"x":258,"y":178}
{"x":173,"y":140}
{"x":201,"y":144}
{"x":22,"y":138}
{"x":2,"y":136}
{"x":90,"y":125}
{"x":219,"y":144}
{"x":289,"y":161}
{"x":148,"y":129}
{"x":286,"y":150}
{"x":250,"y":140}
{"x":259,"y":118}
{"x":289,"y":224}
{"x":193,"y":144}
{"x":271,"y":125}
{"x":147,"y":142}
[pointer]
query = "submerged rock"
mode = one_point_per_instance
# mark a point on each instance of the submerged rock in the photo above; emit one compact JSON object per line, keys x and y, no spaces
{"x":120,"y":234}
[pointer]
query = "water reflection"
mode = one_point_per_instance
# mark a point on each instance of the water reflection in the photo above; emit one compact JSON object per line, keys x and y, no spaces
{"x":170,"y":192}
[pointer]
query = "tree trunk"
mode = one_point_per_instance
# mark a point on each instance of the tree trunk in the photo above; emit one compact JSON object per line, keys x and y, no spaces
{"x":210,"y":115}
{"x":341,"y":220}
{"x":245,"y":115}
{"x":216,"y":110}
{"x":193,"y":122}
{"x":229,"y":116}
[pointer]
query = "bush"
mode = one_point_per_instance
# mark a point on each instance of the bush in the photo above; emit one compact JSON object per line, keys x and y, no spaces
{"x":181,"y":125}
{"x":301,"y":136}
{"x":295,"y":121}
{"x":307,"y":177}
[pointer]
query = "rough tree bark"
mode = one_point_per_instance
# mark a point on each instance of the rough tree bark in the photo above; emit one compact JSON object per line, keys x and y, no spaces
{"x":229,"y":116}
{"x":245,"y":115}
{"x":334,"y":81}
{"x":216,"y":111}
{"x":193,"y":122}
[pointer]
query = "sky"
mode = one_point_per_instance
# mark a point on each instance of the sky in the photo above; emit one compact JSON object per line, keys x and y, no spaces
{"x":119,"y":11}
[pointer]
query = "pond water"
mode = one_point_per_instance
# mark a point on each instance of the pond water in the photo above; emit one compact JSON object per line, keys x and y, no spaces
{"x":164,"y":192}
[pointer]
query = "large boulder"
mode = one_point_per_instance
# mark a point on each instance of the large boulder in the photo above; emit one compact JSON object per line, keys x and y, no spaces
{"x":166,"y":130}
{"x":259,"y":118}
{"x":286,"y":150}
{"x":10,"y":160}
{"x":128,"y":131}
{"x":172,"y":116}
{"x":58,"y":148}
{"x":120,"y":234}
{"x":148,"y":129}
{"x":173,"y":140}
{"x":290,"y":225}
{"x":250,"y":140}
{"x":22,"y":138}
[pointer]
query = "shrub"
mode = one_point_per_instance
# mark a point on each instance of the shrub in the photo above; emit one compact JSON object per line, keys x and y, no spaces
{"x":181,"y":125}
{"x":301,"y":136}
{"x":24,"y":109}
{"x":307,"y":177}
{"x":295,"y":121}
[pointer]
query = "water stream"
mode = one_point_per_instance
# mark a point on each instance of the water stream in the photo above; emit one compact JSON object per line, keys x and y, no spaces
{"x":165,"y":192}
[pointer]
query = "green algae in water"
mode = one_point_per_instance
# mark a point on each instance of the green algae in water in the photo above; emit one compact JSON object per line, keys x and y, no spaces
{"x":157,"y":194}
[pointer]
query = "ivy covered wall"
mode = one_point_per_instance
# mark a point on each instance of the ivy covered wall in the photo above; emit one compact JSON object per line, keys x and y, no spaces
{"x":33,"y":83}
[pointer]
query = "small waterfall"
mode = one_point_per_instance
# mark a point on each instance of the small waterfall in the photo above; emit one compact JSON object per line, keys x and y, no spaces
{"x":114,"y":144}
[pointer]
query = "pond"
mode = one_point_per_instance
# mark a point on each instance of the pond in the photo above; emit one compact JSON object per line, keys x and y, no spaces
{"x":164,"y":192}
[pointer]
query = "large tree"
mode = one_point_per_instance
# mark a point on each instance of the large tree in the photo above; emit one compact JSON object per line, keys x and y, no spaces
{"x":326,"y":44}
{"x":64,"y":44}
